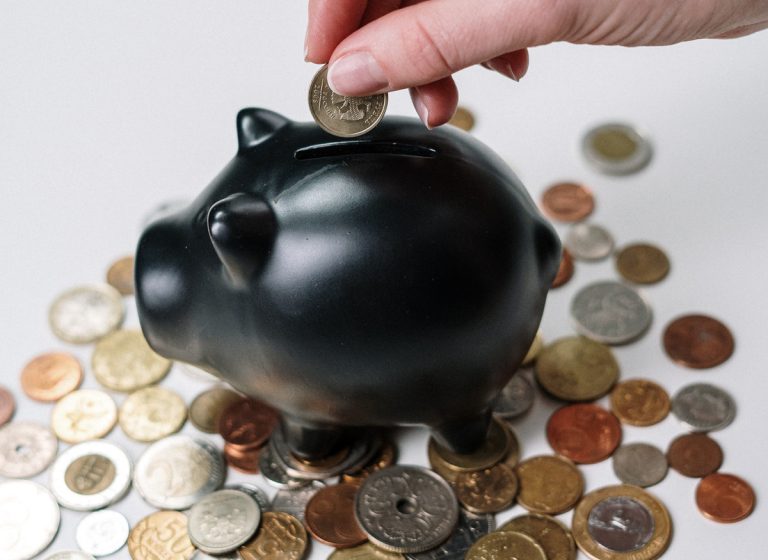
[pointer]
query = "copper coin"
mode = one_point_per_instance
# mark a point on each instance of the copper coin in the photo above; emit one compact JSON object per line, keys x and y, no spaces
{"x":487,"y":491}
{"x":694,"y":455}
{"x":698,"y":341}
{"x":242,"y":460}
{"x":120,"y":275}
{"x":642,"y":263}
{"x":7,"y":405}
{"x":640,"y":402}
{"x":51,"y":376}
{"x":725,"y":498}
{"x":565,"y":271}
{"x":567,"y":202}
{"x":330,"y":517}
{"x":247,"y":423}
{"x":584,"y":433}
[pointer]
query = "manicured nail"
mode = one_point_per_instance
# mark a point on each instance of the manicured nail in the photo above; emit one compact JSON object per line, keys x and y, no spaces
{"x":356,"y":74}
{"x":421,"y":108}
{"x":503,"y":67}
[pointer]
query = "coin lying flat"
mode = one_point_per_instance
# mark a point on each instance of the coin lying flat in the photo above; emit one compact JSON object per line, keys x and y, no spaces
{"x":366,"y":551}
{"x":295,"y":500}
{"x":702,"y":407}
{"x":103,"y":532}
{"x":152,"y":413}
{"x":330,"y":516}
{"x":553,"y":536}
{"x":245,"y":461}
{"x":567,"y":202}
{"x":86,"y":313}
{"x":610,"y":312}
{"x":463,"y":119}
{"x":616,"y":149}
{"x":698,"y":341}
{"x":565,"y":270}
{"x":123,"y":361}
{"x":640,"y":464}
{"x":548,"y":484}
{"x":468,"y":530}
{"x":30,"y":519}
{"x":48,"y":377}
{"x":162,"y":534}
{"x":384,"y":457}
{"x":82,"y":415}
{"x":493,"y":450}
{"x":223,"y":521}
{"x":584,"y":432}
{"x":26,"y":449}
{"x":7,"y":405}
{"x":120,"y":275}
{"x":281,"y":537}
{"x":725,"y":498}
{"x":207,"y":407}
{"x":640,"y":402}
{"x":487,"y":491}
{"x":695,"y":455}
{"x":642,"y":263}
{"x":247,"y":422}
{"x":274,"y":472}
{"x":589,"y":242}
{"x":254,"y":492}
{"x":515,"y":399}
{"x":507,"y":544}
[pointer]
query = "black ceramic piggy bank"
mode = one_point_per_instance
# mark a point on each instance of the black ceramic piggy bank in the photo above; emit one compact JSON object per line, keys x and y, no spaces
{"x":395,"y":278}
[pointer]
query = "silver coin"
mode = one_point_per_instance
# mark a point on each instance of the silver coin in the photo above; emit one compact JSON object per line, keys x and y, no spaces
{"x":640,"y":464}
{"x":29,"y":519}
{"x":589,"y":242}
{"x":69,"y":555}
{"x":223,"y":520}
{"x":702,"y":407}
{"x":274,"y":472}
{"x":616,"y":149}
{"x":26,"y":449}
{"x":610,"y":312}
{"x":102,"y":532}
{"x":470,"y":528}
{"x":90,"y":475}
{"x":406,"y":509}
{"x":176,"y":472}
{"x":294,"y":501}
{"x":515,"y":399}
{"x":254,"y":492}
{"x":86,"y":313}
{"x":162,"y":210}
{"x":620,"y":523}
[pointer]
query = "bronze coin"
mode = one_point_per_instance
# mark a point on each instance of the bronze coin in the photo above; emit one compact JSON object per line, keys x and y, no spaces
{"x":698,"y":341}
{"x":330,"y":517}
{"x":51,"y":376}
{"x":548,"y":484}
{"x":487,"y":491}
{"x":567,"y":202}
{"x":247,"y":423}
{"x":90,"y":474}
{"x":640,"y":402}
{"x":280,"y":537}
{"x":242,"y":460}
{"x":565,"y":270}
{"x":7,"y":405}
{"x":694,"y":455}
{"x":585,"y":433}
{"x":725,"y":498}
{"x":120,"y":275}
{"x":642,"y":263}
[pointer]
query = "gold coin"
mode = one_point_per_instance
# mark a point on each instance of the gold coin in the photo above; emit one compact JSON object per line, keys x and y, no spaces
{"x":83,"y":415}
{"x":621,"y":522}
{"x":152,"y":413}
{"x":161,"y":535}
{"x":507,"y":545}
{"x":206,"y":408}
{"x":642,"y":263}
{"x":554,"y":537}
{"x":123,"y":361}
{"x":534,"y":350}
{"x":366,"y":551}
{"x":548,"y":484}
{"x":463,"y":119}
{"x":493,"y":450}
{"x":576,"y":368}
{"x":487,"y":491}
{"x":280,"y":537}
{"x":441,"y":466}
{"x":640,"y":402}
{"x":513,"y":453}
{"x":120,"y":275}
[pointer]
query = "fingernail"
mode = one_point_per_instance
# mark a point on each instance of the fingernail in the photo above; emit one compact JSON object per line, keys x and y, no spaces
{"x":504,"y":68}
{"x":421,"y":108}
{"x":306,"y":44}
{"x":356,"y":74}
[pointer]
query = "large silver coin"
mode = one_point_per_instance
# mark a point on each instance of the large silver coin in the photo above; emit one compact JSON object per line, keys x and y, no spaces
{"x":640,"y":464}
{"x":26,"y":449}
{"x":616,"y":148}
{"x":470,"y":528}
{"x":515,"y":399}
{"x":274,"y":472}
{"x":69,"y":555}
{"x":342,"y":115}
{"x":29,"y":519}
{"x":620,"y":524}
{"x":589,"y":242}
{"x":254,"y":492}
{"x":223,"y":520}
{"x":294,"y":500}
{"x":102,"y":533}
{"x":406,"y":509}
{"x":702,"y":407}
{"x":176,"y":472}
{"x":610,"y":312}
{"x":86,"y":313}
{"x":90,"y":475}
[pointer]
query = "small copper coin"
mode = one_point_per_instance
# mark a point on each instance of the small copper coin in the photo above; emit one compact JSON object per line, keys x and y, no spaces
{"x":243,"y":460}
{"x":247,"y":423}
{"x":330,"y":517}
{"x":567,"y":202}
{"x":7,"y":405}
{"x":51,"y":376}
{"x":725,"y":498}
{"x":463,"y":118}
{"x":487,"y":491}
{"x":695,"y":455}
{"x":120,"y":275}
{"x":565,"y":270}
{"x":698,"y":341}
{"x":585,"y":433}
{"x":642,"y":263}
{"x":640,"y":402}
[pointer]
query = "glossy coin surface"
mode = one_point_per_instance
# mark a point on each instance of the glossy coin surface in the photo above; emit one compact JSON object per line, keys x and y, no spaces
{"x":102,"y":533}
{"x":610,"y":312}
{"x":640,"y":464}
{"x":585,"y":433}
{"x":162,"y":534}
{"x":469,"y":529}
{"x":695,"y":455}
{"x":642,"y":263}
{"x":576,"y":369}
{"x":698,"y":341}
{"x":50,"y":376}
{"x":207,"y":407}
{"x":29,"y":519}
{"x":493,"y":450}
{"x":123,"y":361}
{"x":330,"y":516}
{"x":26,"y":449}
{"x":86,"y":313}
{"x":567,"y":202}
{"x":553,"y":536}
{"x":366,"y":551}
{"x":640,"y":402}
{"x":509,"y":544}
{"x":341,"y":115}
{"x":406,"y":509}
{"x":245,"y":461}
{"x":295,"y":500}
{"x":281,"y":537}
{"x":152,"y":413}
{"x":620,"y":523}
{"x":565,"y":270}
{"x":702,"y":407}
{"x":120,"y":275}
{"x":7,"y":405}
{"x":487,"y":491}
{"x":589,"y":242}
{"x":616,"y":149}
{"x":463,"y":119}
{"x":725,"y":498}
{"x":223,"y":521}
{"x":548,"y":484}
{"x":515,"y":399}
{"x":82,"y":415}
{"x":247,"y":423}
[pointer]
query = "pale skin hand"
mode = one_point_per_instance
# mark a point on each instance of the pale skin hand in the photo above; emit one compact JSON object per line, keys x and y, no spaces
{"x":384,"y":45}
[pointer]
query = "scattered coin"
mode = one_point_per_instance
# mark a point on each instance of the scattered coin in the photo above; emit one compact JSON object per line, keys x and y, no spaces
{"x":294,"y":500}
{"x":548,"y":484}
{"x":584,"y":432}
{"x":26,"y":449}
{"x":223,"y":521}
{"x":463,"y":118}
{"x":120,"y":275}
{"x":640,"y":402}
{"x":468,"y":530}
{"x":162,"y":534}
{"x":281,"y":537}
{"x":341,"y":115}
{"x":152,"y":413}
{"x":507,"y":544}
{"x":366,"y":551}
{"x":725,"y":498}
{"x":698,"y":341}
{"x":616,"y":149}
{"x":330,"y":516}
{"x":245,"y":461}
{"x":515,"y":399}
{"x":385,"y":457}
{"x":50,"y":376}
{"x":86,"y":313}
{"x":487,"y":491}
{"x":493,"y":450}
{"x":640,"y":464}
{"x":610,"y":312}
{"x":565,"y":270}
{"x":82,"y":415}
{"x":254,"y":492}
{"x":567,"y":202}
{"x":695,"y":455}
{"x":553,"y":536}
{"x":7,"y":405}
{"x":103,"y":532}
{"x":30,"y":519}
{"x":247,"y":423}
{"x":702,"y":407}
{"x":589,"y":242}
{"x":207,"y":407}
{"x":642,"y":263}
{"x":123,"y":361}
{"x":274,"y":472}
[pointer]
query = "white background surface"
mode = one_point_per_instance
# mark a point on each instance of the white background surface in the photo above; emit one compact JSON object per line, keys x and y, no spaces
{"x":109,"y":108}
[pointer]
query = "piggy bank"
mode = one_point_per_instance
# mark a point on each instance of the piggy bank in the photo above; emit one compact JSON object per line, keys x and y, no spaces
{"x":396,"y":278}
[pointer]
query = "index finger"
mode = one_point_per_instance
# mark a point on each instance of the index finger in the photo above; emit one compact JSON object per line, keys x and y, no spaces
{"x":330,"y":22}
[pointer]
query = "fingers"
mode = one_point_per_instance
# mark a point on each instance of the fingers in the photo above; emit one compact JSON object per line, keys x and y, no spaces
{"x":513,"y":65}
{"x":330,"y":21}
{"x":435,"y":103}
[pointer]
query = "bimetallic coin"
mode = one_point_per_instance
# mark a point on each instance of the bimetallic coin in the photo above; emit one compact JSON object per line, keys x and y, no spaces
{"x":223,"y":521}
{"x":507,"y":544}
{"x":7,"y":405}
{"x":642,"y":263}
{"x":725,"y":498}
{"x":152,"y":413}
{"x":207,"y":407}
{"x":162,"y":534}
{"x":50,"y":376}
{"x":589,"y":242}
{"x":341,"y":115}
{"x":281,"y":537}
{"x":695,"y":455}
{"x":86,"y":313}
{"x":584,"y":432}
{"x":120,"y":275}
{"x":406,"y":509}
{"x":123,"y":361}
{"x":82,"y":415}
{"x":29,"y":519}
{"x":330,"y":516}
{"x":295,"y":500}
{"x":469,"y":529}
{"x":366,"y":551}
{"x":493,"y":450}
{"x":487,"y":491}
{"x":616,"y":149}
{"x":620,"y":523}
{"x":463,"y":119}
{"x":640,"y":464}
{"x":102,"y":533}
{"x":553,"y":536}
{"x":640,"y":402}
{"x":90,"y":475}
{"x":26,"y":449}
{"x":610,"y":312}
{"x":548,"y":484}
{"x":702,"y":407}
{"x":567,"y":202}
{"x":515,"y":399}
{"x":565,"y":270}
{"x":254,"y":492}
{"x":698,"y":341}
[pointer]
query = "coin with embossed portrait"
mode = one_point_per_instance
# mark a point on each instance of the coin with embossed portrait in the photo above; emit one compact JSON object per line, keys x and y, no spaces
{"x":86,"y":313}
{"x":162,"y":534}
{"x":223,"y":520}
{"x":26,"y":449}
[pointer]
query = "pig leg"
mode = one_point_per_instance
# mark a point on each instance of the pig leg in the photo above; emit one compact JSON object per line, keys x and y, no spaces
{"x":312,"y":441}
{"x":463,"y":435}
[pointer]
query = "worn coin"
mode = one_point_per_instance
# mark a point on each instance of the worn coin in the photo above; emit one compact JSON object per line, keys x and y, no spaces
{"x":103,"y":532}
{"x":207,"y":407}
{"x":640,"y":464}
{"x":468,"y":530}
{"x":589,"y":242}
{"x":548,"y":484}
{"x":247,"y":423}
{"x":254,"y":492}
{"x":515,"y":399}
{"x":698,"y":341}
{"x":29,"y":519}
{"x":610,"y":312}
{"x":702,"y":407}
{"x":123,"y":361}
{"x":86,"y":313}
{"x":274,"y":472}
{"x":162,"y":534}
{"x":584,"y":432}
{"x":576,"y":369}
{"x":152,"y":413}
{"x":294,"y":500}
{"x":120,"y":275}
{"x":463,"y":118}
{"x":642,"y":263}
{"x":222,"y":521}
{"x":26,"y":449}
{"x":567,"y":202}
{"x":281,"y":537}
{"x":50,"y":376}
{"x":82,"y":415}
{"x":365,"y":551}
{"x":330,"y":516}
{"x":342,"y":115}
{"x":725,"y":498}
{"x":640,"y":402}
{"x":493,"y":450}
{"x":487,"y":491}
{"x":7,"y":405}
{"x":695,"y":455}
{"x":245,"y":461}
{"x":616,"y":148}
{"x":507,"y":544}
{"x":554,"y":537}
{"x":565,"y":270}
{"x":384,"y":457}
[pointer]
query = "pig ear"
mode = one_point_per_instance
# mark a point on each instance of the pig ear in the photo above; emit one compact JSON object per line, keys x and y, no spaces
{"x":242,"y":228}
{"x":256,"y":125}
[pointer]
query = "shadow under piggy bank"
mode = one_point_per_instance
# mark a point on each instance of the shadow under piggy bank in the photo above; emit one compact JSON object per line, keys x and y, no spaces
{"x":395,"y":278}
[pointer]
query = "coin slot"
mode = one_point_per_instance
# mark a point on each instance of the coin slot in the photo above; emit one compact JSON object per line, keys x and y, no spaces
{"x":406,"y":506}
{"x":337,"y":149}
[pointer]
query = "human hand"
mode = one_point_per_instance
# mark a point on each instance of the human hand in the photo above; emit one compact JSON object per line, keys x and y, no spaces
{"x":373,"y":46}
